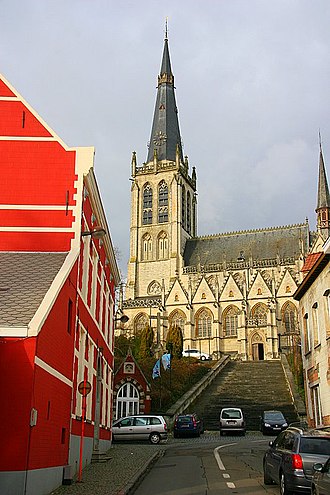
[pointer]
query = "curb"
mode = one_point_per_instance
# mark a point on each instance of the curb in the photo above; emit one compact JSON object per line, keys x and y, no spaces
{"x":138,"y":477}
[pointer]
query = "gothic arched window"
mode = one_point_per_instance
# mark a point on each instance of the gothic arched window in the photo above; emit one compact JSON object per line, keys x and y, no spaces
{"x":183,"y":204}
{"x":289,"y":318}
{"x":162,"y":246}
{"x":147,"y":205}
{"x":146,"y":247}
{"x":178,"y":318}
{"x":230,"y":319}
{"x":259,"y":313}
{"x":162,"y":202}
{"x":188,"y":213}
{"x":140,"y":323}
{"x":204,"y":323}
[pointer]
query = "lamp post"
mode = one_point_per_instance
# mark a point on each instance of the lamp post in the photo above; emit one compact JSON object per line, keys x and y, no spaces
{"x":98,"y":232}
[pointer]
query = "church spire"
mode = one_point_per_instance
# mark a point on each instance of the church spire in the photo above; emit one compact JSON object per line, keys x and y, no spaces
{"x":165,"y":133}
{"x":323,"y":200}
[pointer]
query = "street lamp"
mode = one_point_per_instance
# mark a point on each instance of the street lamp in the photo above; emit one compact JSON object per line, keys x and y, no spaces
{"x":122,"y":319}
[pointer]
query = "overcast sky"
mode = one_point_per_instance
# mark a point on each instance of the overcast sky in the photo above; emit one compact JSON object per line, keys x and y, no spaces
{"x":252,"y":79}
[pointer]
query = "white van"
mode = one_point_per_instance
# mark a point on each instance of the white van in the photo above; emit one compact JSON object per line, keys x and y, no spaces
{"x":232,"y":420}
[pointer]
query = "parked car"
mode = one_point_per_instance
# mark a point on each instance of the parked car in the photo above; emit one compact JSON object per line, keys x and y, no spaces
{"x":290,"y":458}
{"x":272,"y":422}
{"x":232,"y":420}
{"x":203,"y":356}
{"x":142,"y":427}
{"x":321,"y":479}
{"x":187,"y":424}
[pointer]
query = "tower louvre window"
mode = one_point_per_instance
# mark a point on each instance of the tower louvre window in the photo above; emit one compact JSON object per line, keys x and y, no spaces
{"x":183,"y":204}
{"x":162,"y":202}
{"x":188,"y":213}
{"x":147,"y":205}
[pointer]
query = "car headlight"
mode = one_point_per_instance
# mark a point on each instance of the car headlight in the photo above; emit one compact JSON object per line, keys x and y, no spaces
{"x":267,"y":424}
{"x":285,"y":424}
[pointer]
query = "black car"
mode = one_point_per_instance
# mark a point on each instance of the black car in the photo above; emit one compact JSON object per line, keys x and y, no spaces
{"x":290,"y":458}
{"x":187,"y":424}
{"x":272,"y":422}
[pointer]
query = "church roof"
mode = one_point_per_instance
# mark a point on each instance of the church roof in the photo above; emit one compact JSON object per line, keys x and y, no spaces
{"x":25,"y":279}
{"x":262,"y":244}
{"x":165,"y":133}
{"x":323,"y":197}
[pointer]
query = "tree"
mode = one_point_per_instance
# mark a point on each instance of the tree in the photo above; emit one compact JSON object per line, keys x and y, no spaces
{"x":147,"y":339}
{"x":174,"y":341}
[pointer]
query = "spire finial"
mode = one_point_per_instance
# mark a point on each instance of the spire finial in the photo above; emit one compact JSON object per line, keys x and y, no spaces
{"x":320,"y":140}
{"x":166,"y":28}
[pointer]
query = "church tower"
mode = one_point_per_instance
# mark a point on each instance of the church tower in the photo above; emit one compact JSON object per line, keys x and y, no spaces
{"x":323,"y":202}
{"x":163,"y":199}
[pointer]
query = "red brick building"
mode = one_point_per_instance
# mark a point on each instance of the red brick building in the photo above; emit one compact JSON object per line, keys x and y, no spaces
{"x":57,"y":283}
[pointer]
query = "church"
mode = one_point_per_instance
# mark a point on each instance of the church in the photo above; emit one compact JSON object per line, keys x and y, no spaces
{"x":230,"y":293}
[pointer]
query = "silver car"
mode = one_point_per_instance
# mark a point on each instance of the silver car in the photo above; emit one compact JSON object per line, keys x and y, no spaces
{"x":142,"y":427}
{"x":232,"y":420}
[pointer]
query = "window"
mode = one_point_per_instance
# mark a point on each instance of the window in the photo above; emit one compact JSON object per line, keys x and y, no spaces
{"x":178,"y":318}
{"x":183,"y":207}
{"x":307,"y":341}
{"x":230,"y":321}
{"x":188,"y":213}
{"x":316,"y":328}
{"x":289,"y":318}
{"x":147,"y":205}
{"x":140,"y":323}
{"x":204,"y":323}
{"x":259,"y":313}
{"x":69,"y":327}
{"x":315,"y":396}
{"x":146,"y":247}
{"x":128,"y":400}
{"x":162,"y":202}
{"x":162,"y":246}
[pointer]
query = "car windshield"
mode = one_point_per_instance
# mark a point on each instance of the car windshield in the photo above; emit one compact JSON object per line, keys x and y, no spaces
{"x":231,"y":414}
{"x":184,"y":419}
{"x":315,"y":446}
{"x":274,"y":416}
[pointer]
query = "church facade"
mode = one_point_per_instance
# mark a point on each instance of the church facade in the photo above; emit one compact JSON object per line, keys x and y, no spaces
{"x":229,"y":293}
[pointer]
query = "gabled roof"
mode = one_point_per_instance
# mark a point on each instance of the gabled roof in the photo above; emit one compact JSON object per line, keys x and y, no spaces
{"x":165,"y":133}
{"x":310,"y":261}
{"x":25,"y":279}
{"x":283,"y":242}
{"x":318,"y":266}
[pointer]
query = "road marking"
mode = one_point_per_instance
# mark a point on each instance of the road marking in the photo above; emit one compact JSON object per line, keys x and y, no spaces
{"x":217,"y":456}
{"x":226,"y":475}
{"x":231,"y":485}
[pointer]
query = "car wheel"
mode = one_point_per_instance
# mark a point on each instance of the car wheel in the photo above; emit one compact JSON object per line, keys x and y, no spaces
{"x":283,"y":487}
{"x":154,"y":438}
{"x":267,"y":479}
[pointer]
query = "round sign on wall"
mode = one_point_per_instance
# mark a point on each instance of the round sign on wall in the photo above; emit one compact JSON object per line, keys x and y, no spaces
{"x":84,"y":388}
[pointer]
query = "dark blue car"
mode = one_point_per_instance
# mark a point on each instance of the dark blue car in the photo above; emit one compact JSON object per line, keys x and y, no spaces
{"x":187,"y":425}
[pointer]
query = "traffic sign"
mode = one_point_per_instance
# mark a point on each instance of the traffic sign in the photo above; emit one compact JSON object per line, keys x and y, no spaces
{"x":84,"y":388}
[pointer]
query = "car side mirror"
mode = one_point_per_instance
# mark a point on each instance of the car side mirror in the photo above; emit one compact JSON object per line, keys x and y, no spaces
{"x":318,"y":467}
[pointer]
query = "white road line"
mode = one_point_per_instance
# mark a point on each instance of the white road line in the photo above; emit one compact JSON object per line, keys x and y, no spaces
{"x":226,"y":475}
{"x":217,"y":456}
{"x":231,"y":485}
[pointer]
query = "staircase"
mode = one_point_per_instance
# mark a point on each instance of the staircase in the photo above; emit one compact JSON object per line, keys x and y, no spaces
{"x":254,"y":386}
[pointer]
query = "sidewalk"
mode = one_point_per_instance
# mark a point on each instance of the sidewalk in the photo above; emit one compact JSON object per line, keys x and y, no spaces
{"x":118,"y":475}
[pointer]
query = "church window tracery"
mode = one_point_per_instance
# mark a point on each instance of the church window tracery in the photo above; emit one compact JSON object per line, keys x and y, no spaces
{"x":178,"y":318}
{"x":230,"y":319}
{"x":147,"y":205}
{"x":162,"y":202}
{"x":204,"y":323}
{"x":140,"y":323}
{"x":162,"y":243}
{"x":259,"y":314}
{"x":146,"y":247}
{"x":290,"y":318}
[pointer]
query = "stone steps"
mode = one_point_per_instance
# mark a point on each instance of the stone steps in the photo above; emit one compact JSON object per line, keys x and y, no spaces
{"x":253,"y":386}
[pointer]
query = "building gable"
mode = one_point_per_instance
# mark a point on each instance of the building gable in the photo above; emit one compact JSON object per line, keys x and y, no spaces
{"x":203,"y":293}
{"x":259,"y":288}
{"x":230,"y":290}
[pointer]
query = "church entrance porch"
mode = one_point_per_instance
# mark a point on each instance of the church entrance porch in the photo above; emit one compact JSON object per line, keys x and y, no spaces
{"x":257,"y":346}
{"x":258,"y":352}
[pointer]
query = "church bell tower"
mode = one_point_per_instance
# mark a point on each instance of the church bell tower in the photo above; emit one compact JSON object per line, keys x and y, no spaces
{"x":163,"y":198}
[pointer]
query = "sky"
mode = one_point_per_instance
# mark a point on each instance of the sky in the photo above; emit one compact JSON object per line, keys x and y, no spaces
{"x":252,"y":89}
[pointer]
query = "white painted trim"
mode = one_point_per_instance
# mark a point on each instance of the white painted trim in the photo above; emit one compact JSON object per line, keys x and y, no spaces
{"x":52,"y":371}
{"x":35,"y":207}
{"x":13,"y":331}
{"x":36,"y":229}
{"x":8,"y":98}
{"x":29,"y":138}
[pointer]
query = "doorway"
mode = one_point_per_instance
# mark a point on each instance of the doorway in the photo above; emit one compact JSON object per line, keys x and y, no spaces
{"x":258,"y":353}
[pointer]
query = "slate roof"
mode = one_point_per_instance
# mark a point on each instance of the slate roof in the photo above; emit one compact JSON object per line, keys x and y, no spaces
{"x":261,"y":244}
{"x":24,"y":280}
{"x":165,"y":132}
{"x":323,"y":196}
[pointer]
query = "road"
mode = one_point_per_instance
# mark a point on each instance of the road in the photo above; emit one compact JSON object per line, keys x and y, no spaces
{"x":210,"y":465}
